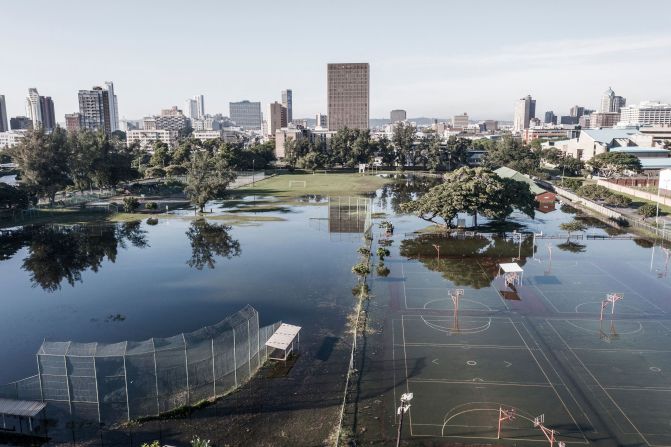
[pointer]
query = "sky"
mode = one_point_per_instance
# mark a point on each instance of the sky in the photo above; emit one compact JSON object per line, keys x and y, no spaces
{"x":431,"y":58}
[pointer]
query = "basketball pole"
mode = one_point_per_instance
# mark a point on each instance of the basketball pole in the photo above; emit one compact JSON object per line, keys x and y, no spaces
{"x":405,"y":406}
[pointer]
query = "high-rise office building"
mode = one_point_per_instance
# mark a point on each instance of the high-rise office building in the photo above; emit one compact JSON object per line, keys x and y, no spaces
{"x":113,"y":107}
{"x":195,"y":107}
{"x":246,"y":114}
{"x":4,"y":125}
{"x":611,"y":103}
{"x":460,"y":121}
{"x":20,"y":123}
{"x":48,"y":113}
{"x":98,"y":109}
{"x":348,"y":96}
{"x":577,"y":111}
{"x":276,"y":118}
{"x":73,"y":122}
{"x":287,"y":102}
{"x":200,"y":106}
{"x":34,"y":108}
{"x":525,"y":110}
{"x":321,"y":121}
{"x":397,"y":115}
{"x":550,"y":117}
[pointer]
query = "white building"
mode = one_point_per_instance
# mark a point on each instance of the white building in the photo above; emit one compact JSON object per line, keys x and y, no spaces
{"x":113,"y":106}
{"x":610,"y":102}
{"x":525,"y":109}
{"x":11,"y":138}
{"x":34,"y":108}
{"x":646,"y":113}
{"x":146,"y":138}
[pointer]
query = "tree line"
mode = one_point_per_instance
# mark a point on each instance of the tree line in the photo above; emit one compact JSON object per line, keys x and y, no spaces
{"x":52,"y":162}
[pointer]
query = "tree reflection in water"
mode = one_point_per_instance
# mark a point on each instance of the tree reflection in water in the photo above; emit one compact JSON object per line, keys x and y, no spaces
{"x":470,"y":262}
{"x":208,"y":241}
{"x":57,"y":253}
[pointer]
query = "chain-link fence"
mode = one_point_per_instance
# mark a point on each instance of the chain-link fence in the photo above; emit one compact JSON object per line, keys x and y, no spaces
{"x":117,"y":382}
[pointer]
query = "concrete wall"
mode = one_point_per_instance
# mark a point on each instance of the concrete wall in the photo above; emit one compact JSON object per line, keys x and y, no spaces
{"x":635,"y":192}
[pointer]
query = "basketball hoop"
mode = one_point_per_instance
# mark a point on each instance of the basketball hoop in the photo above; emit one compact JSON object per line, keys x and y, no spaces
{"x":505,"y":415}
{"x":611,"y":299}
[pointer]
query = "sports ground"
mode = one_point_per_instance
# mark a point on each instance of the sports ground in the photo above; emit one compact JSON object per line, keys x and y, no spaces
{"x":540,"y":349}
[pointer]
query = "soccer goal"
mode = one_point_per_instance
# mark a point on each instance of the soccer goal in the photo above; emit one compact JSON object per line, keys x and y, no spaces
{"x":297,"y":183}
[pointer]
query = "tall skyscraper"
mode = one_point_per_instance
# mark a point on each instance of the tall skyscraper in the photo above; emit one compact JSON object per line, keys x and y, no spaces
{"x":246,"y":114}
{"x":277,"y":117}
{"x":48,"y":113}
{"x":98,"y":109}
{"x":287,"y":102}
{"x":577,"y":111}
{"x":348,"y":96}
{"x":525,"y":110}
{"x":113,"y":106}
{"x":34,"y":108}
{"x":4,"y":125}
{"x":200,"y":106}
{"x":550,"y":117}
{"x":611,"y":103}
{"x":397,"y":115}
{"x":191,"y":109}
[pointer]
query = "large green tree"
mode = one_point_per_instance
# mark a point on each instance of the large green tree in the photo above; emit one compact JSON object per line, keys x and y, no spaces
{"x":473,"y":191}
{"x":98,"y":160}
{"x":43,"y":160}
{"x":609,"y":164}
{"x":208,"y":176}
{"x":510,"y":152}
{"x":403,"y":138}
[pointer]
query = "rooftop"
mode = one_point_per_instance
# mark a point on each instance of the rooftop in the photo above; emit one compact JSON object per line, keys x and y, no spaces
{"x":655,"y":163}
{"x":505,"y":172}
{"x":639,"y":149}
{"x":607,"y":135}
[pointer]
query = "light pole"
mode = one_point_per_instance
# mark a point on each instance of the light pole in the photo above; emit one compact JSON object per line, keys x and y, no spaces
{"x":659,"y":187}
{"x":405,"y":406}
{"x":253,"y":169}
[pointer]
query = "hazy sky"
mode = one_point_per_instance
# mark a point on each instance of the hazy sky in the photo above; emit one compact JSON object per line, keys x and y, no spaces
{"x":432,"y":58}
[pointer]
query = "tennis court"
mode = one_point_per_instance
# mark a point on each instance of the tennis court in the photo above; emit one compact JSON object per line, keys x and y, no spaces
{"x":548,"y":351}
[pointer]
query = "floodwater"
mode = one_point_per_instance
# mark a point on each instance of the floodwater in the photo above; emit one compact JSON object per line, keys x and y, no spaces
{"x":134,"y":281}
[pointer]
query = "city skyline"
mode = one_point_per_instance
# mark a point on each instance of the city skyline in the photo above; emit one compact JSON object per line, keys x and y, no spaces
{"x":483,"y":77}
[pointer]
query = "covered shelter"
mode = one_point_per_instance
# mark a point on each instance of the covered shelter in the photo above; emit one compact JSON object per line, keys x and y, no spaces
{"x":541,"y":195}
{"x":18,"y":410}
{"x":283,"y":340}
{"x":512,"y":273}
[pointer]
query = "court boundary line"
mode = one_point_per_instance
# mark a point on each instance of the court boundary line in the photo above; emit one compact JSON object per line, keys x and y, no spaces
{"x":550,"y":385}
{"x":588,"y":371}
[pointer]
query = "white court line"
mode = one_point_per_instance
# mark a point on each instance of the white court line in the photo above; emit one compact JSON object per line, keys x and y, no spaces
{"x":602,"y":388}
{"x":568,"y":390}
{"x":629,"y":287}
{"x":550,"y":382}
{"x":638,"y":388}
{"x":470,"y":382}
{"x":463,"y":345}
{"x":407,"y":377}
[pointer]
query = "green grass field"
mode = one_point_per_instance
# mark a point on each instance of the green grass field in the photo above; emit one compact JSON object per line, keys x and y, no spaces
{"x":321,"y":184}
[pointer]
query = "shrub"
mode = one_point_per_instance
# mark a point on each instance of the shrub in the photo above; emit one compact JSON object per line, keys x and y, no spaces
{"x":151,"y":205}
{"x":364,"y":251}
{"x":594,"y":192}
{"x":618,"y":200}
{"x":573,"y":184}
{"x":361,"y":269}
{"x":152,"y":221}
{"x":154,"y":172}
{"x":130,"y":204}
{"x":647,"y":210}
{"x":382,"y":252}
{"x":175,"y":170}
{"x":197,"y":442}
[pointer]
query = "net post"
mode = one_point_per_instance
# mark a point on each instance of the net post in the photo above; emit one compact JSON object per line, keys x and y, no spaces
{"x":158,"y":405}
{"x":125,"y":378}
{"x":67,"y":378}
{"x":258,"y":340}
{"x":249,"y":351}
{"x":39,"y":378}
{"x":95,"y":379}
{"x":214,"y":374}
{"x":235,"y":360}
{"x":186,"y":365}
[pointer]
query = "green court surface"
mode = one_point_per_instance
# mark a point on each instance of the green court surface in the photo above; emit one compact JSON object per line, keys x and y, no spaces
{"x":546,"y":352}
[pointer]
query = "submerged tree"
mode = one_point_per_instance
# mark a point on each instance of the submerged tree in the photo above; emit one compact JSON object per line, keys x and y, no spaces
{"x":473,"y":191}
{"x":208,"y":241}
{"x":574,"y":226}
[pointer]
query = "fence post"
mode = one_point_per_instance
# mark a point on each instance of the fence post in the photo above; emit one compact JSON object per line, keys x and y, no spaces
{"x":158,"y":405}
{"x":214,"y":376}
{"x":235,"y":360}
{"x":249,"y":350}
{"x":186,"y":365}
